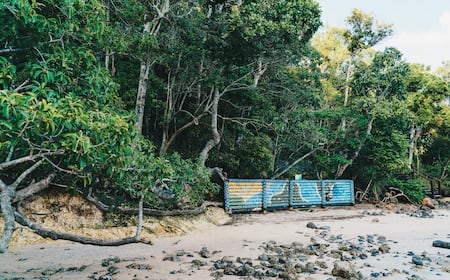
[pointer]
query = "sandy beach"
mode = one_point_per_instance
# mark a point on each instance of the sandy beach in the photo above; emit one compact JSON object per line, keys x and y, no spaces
{"x":369,"y":242}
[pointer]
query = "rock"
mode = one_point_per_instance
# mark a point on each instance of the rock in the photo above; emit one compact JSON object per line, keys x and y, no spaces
{"x":171,"y":258}
{"x":429,"y":202}
{"x":446,"y":266}
{"x":384,"y":249}
{"x":441,"y":244}
{"x":204,"y":252}
{"x":110,"y":261}
{"x":317,"y":241}
{"x":344,"y":270}
{"x":271,"y":273}
{"x":198,"y":263}
{"x":417,"y":260}
{"x":180,"y":253}
{"x":375,"y":274}
{"x":139,"y":266}
{"x":105,"y":277}
{"x":263,"y":257}
{"x":311,"y":225}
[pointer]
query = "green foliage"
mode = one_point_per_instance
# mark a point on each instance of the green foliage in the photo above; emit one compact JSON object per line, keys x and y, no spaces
{"x":190,"y":181}
{"x":69,"y":70}
{"x":412,"y":188}
{"x":364,"y":31}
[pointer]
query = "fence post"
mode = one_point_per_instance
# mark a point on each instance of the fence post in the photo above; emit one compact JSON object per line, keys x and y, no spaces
{"x":291,"y":194}
{"x":226,"y":196}
{"x":264,"y":190}
{"x":322,"y":187}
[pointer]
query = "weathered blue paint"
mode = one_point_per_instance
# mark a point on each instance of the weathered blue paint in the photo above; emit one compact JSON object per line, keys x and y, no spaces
{"x":252,"y":195}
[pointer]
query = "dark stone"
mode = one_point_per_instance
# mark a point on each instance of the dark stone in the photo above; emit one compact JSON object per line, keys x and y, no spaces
{"x":180,"y":253}
{"x":139,"y":266}
{"x":171,"y":258}
{"x":110,"y":261}
{"x":229,"y":270}
{"x":204,"y":252}
{"x":198,"y":263}
{"x":417,"y":260}
{"x":271,"y":273}
{"x":263,"y":257}
{"x":311,"y":225}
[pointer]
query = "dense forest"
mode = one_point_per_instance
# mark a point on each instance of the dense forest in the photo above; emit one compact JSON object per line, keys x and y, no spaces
{"x":157,"y":102}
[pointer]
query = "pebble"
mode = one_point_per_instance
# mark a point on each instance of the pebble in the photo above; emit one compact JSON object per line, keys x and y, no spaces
{"x":204,"y":252}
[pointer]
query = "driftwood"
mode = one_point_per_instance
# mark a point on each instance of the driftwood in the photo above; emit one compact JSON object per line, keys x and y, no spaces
{"x":393,"y":194}
{"x":441,"y":244}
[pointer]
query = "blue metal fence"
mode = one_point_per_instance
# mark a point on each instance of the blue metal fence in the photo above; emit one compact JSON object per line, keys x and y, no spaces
{"x":253,"y":195}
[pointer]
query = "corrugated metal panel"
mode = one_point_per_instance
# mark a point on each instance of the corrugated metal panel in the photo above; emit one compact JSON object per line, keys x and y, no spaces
{"x":306,"y":193}
{"x":276,"y":194}
{"x":251,"y":195}
{"x":244,"y":194}
{"x":339,"y":192}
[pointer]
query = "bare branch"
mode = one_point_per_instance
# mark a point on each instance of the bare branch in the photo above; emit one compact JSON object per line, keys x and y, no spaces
{"x":294,"y":163}
{"x":26,"y":173}
{"x":8,"y":164}
{"x":22,"y":86}
{"x":33,"y":188}
{"x":9,"y":49}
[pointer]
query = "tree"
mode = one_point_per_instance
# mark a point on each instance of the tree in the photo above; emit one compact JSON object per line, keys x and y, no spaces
{"x":364,"y":32}
{"x":61,"y":123}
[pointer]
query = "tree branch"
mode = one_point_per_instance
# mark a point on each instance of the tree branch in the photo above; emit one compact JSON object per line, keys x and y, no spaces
{"x":8,"y":164}
{"x":32,"y":189}
{"x":25,"y":174}
{"x":294,"y":163}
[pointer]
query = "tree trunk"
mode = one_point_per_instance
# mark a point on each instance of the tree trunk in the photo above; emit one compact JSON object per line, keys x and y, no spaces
{"x":151,"y":28}
{"x":6,"y":195}
{"x":347,"y":89}
{"x":142,"y":88}
{"x":204,"y":154}
{"x":414,"y":135}
{"x":342,"y":168}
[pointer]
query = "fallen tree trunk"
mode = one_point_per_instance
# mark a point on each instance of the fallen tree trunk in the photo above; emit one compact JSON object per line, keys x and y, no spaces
{"x":73,"y":237}
{"x":441,"y":244}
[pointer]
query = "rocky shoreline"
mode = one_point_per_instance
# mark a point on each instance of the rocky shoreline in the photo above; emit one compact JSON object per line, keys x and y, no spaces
{"x":324,"y":247}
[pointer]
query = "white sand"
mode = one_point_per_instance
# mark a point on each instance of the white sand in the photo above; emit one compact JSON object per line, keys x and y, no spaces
{"x":243,"y":237}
